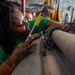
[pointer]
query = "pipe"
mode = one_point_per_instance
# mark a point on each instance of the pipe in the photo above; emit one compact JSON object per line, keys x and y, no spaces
{"x":72,"y":14}
{"x":23,"y":6}
{"x":66,"y":43}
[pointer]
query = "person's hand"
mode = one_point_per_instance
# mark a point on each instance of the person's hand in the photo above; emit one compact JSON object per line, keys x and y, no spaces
{"x":37,"y":35}
{"x":65,"y":27}
{"x":21,"y":51}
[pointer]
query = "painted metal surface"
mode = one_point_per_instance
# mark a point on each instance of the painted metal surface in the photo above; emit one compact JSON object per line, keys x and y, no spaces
{"x":23,"y":6}
{"x":55,"y":63}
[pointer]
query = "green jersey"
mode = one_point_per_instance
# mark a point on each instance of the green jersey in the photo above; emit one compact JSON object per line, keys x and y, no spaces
{"x":40,"y":27}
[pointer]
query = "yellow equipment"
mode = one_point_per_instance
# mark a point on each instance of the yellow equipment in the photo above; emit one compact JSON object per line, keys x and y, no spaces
{"x":56,"y":14}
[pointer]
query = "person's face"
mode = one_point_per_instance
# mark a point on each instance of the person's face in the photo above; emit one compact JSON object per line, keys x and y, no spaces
{"x":19,"y":24}
{"x":28,"y":16}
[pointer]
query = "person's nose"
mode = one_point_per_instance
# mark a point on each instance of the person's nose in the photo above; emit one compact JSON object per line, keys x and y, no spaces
{"x":26,"y":25}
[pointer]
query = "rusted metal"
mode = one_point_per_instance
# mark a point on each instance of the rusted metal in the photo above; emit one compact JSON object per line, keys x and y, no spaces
{"x":23,"y":6}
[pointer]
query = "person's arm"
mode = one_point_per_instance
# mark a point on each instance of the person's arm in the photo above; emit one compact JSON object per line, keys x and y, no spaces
{"x":18,"y":54}
{"x":52,"y":22}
